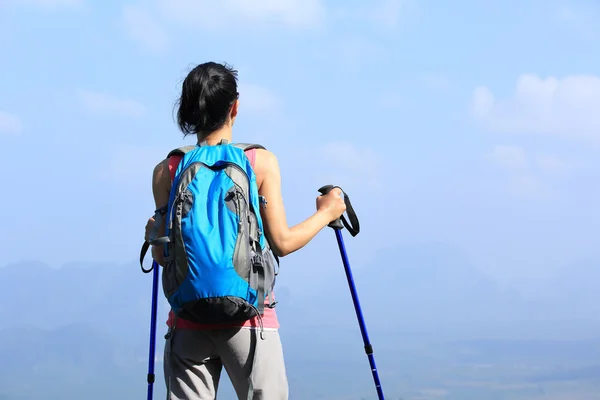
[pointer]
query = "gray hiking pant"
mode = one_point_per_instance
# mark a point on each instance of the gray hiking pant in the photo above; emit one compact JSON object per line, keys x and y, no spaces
{"x":194,"y":359}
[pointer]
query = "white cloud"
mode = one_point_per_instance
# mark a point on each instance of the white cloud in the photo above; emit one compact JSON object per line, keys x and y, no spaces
{"x":355,"y":167}
{"x":148,"y":25}
{"x":258,"y":99}
{"x":10,"y":123}
{"x":144,"y":27}
{"x":101,"y":103}
{"x":338,"y":163}
{"x":556,"y":166}
{"x":517,"y":159}
{"x":508,"y":156}
{"x":388,"y":13}
{"x":527,"y":185}
{"x":228,"y":14}
{"x":567,"y":106}
{"x":551,"y":163}
{"x":47,"y":3}
{"x":530,"y":174}
{"x":520,"y":180}
{"x":580,"y":20}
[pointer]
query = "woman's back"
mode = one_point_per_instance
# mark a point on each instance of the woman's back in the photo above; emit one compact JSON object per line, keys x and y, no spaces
{"x":268,"y":321}
{"x":195,"y":353}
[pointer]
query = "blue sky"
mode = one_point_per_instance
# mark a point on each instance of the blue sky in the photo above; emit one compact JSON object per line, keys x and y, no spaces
{"x":467,"y":123}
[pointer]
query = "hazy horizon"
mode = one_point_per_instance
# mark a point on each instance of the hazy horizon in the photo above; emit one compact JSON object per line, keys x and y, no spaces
{"x":96,"y":317}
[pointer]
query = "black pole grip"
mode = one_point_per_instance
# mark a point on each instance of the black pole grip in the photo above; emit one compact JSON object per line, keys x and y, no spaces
{"x":354,"y":226}
{"x":337,"y":224}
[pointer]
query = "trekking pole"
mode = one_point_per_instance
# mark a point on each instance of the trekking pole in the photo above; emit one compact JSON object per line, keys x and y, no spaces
{"x":353,"y":228}
{"x":158,"y":215}
{"x":152,"y":346}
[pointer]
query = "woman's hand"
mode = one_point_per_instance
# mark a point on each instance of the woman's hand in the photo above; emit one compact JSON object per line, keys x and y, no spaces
{"x":149,"y":228}
{"x":332,"y":204}
{"x":157,"y":253}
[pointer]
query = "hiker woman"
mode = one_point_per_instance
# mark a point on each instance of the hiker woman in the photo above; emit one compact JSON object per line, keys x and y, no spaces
{"x":195,"y":354}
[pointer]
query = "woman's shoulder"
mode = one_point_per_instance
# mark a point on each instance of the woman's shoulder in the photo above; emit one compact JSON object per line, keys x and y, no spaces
{"x":265,"y":165}
{"x":265,"y":158}
{"x":161,"y":174}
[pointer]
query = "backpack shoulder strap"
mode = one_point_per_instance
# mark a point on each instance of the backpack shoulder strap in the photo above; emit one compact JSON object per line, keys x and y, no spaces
{"x":250,"y":150}
{"x":181,"y":151}
{"x":175,"y":157}
{"x":251,"y":154}
{"x":173,"y":163}
{"x":177,"y":154}
{"x":248,"y":146}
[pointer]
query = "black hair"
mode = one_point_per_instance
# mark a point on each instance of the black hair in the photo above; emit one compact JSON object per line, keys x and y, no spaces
{"x":207,"y":94}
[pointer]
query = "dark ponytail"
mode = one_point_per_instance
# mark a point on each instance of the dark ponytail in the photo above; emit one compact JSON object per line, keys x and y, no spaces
{"x":207,"y":94}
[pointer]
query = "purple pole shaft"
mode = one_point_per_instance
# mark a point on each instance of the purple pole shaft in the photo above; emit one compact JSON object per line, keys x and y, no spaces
{"x":152,"y":349}
{"x":359,"y":314}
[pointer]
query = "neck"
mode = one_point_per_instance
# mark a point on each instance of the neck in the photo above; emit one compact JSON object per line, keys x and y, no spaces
{"x":216,"y":136}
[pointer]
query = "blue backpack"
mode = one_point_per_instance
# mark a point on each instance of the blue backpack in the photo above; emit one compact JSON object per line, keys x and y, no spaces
{"x":219,"y":265}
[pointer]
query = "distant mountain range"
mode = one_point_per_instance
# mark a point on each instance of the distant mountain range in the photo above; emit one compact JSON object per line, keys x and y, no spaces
{"x":405,"y":290}
{"x":88,"y":324}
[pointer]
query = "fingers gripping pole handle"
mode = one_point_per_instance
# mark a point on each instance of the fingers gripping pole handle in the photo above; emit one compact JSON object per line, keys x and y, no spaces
{"x":337,"y":224}
{"x":353,"y":226}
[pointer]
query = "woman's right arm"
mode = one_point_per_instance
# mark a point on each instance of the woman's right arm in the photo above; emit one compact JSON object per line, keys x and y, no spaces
{"x":161,"y":186}
{"x":283,"y":239}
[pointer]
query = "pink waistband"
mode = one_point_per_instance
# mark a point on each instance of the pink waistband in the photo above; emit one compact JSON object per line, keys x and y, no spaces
{"x":269,"y":321}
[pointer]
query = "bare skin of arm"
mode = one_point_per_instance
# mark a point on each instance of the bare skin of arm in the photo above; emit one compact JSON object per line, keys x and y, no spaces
{"x":283,"y":239}
{"x":161,"y":186}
